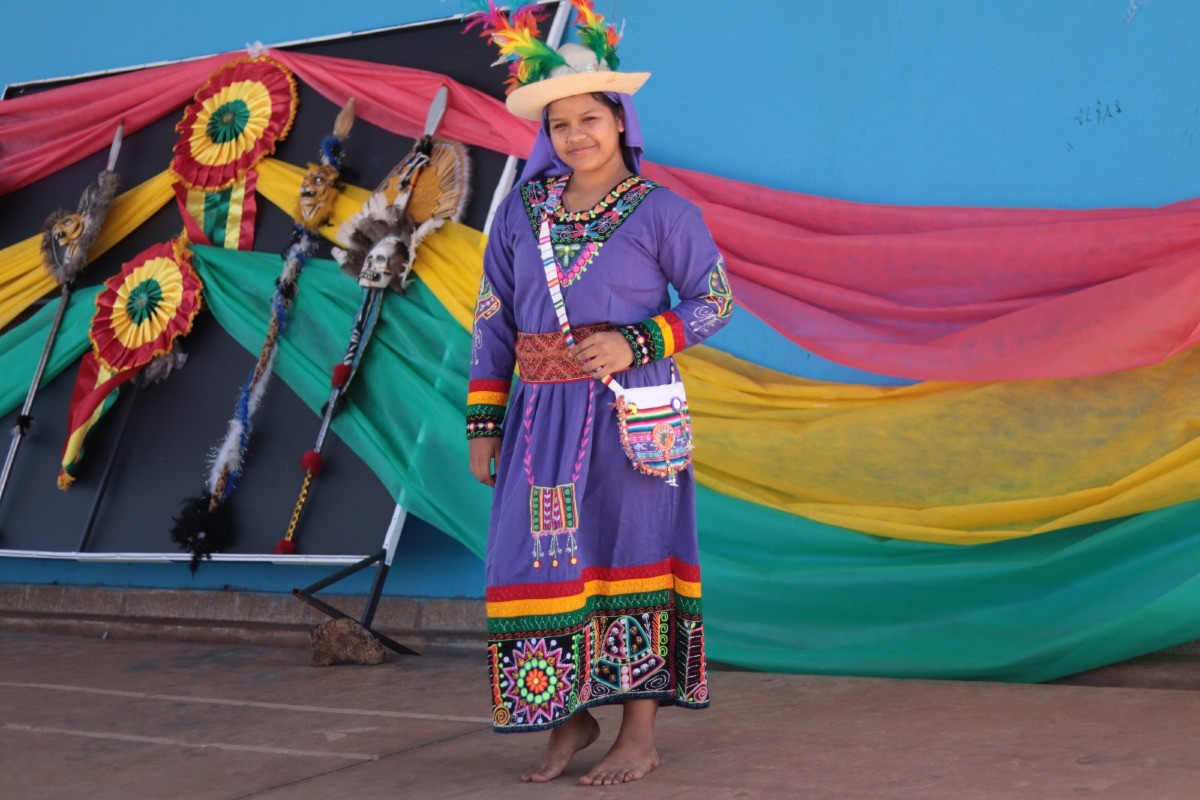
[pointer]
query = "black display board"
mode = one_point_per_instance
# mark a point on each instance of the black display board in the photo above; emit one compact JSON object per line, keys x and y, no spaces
{"x":162,"y":455}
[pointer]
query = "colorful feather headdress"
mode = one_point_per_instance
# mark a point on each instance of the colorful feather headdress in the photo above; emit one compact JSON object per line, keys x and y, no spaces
{"x":539,"y":74}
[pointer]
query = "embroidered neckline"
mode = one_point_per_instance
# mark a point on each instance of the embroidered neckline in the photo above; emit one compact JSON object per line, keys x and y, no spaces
{"x":596,"y":224}
{"x":614,"y":194}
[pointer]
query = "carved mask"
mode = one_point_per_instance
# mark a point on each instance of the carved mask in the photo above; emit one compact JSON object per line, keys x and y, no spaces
{"x":65,"y":237}
{"x":317,"y":194}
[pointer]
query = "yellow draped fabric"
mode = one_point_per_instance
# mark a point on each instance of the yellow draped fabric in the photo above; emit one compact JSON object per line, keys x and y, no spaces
{"x":22,"y":278}
{"x":954,"y":463}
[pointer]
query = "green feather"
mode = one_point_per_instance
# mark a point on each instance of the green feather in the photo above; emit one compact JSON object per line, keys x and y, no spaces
{"x":539,"y":64}
{"x":596,"y":39}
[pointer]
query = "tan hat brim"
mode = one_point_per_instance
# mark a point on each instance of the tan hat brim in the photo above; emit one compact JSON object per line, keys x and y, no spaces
{"x":528,"y":101}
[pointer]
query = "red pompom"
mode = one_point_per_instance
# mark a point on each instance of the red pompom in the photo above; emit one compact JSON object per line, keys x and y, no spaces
{"x":311,"y":462}
{"x":285,"y":547}
{"x":341,"y":375}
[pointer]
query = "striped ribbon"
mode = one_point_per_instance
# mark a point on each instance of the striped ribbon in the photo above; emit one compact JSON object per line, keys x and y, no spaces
{"x":552,"y":282}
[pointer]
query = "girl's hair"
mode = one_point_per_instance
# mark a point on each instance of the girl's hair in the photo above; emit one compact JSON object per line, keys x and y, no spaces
{"x":613,"y":105}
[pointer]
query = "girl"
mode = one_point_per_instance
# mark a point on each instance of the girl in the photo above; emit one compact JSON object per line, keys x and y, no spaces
{"x":593,"y":581}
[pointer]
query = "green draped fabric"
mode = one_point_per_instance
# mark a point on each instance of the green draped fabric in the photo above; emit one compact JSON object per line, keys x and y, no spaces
{"x":785,"y":594}
{"x":21,"y":347}
{"x":781,"y":593}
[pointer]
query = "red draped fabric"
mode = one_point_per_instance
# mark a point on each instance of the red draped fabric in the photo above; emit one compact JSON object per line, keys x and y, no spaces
{"x":42,"y":133}
{"x":968,"y":294}
{"x":397,"y":99}
{"x":45,"y":132}
{"x":973,"y":294}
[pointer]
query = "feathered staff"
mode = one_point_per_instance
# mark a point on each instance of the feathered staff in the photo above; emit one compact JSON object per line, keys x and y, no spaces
{"x":66,"y":239}
{"x":426,"y":188}
{"x":205,"y":524}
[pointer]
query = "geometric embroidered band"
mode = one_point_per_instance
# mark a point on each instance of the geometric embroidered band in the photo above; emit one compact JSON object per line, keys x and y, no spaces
{"x":544,"y":358}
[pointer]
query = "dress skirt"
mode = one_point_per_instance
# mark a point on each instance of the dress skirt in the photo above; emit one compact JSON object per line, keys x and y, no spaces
{"x":593,"y":578}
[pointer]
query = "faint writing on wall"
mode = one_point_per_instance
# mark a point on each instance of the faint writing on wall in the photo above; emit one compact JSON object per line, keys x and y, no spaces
{"x":1133,"y":9}
{"x":1098,"y":113}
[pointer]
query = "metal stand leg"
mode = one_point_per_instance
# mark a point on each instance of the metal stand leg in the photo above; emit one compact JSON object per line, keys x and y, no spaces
{"x":384,"y":559}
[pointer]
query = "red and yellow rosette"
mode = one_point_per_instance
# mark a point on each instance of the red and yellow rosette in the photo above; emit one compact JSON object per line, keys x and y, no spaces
{"x":143,"y":308}
{"x":234,"y":121}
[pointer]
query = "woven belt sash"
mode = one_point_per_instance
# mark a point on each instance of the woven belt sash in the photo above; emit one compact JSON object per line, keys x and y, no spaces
{"x":543,"y":357}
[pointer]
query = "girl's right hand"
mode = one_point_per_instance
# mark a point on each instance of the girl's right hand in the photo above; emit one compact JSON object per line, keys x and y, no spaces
{"x":485,"y":454}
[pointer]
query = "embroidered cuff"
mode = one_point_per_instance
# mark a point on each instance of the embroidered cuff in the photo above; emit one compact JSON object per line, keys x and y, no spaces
{"x":487,"y":402}
{"x":637,"y":344}
{"x":655,"y":338}
{"x":481,"y":425}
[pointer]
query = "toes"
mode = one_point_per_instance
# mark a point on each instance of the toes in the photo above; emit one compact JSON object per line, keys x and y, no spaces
{"x":538,"y":774}
{"x":596,"y":778}
{"x":609,"y":777}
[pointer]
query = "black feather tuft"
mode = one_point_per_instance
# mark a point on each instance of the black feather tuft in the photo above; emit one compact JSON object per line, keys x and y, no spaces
{"x":202,"y":530}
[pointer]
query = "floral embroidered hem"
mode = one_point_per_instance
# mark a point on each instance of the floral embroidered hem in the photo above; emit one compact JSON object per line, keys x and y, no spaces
{"x":644,"y":640}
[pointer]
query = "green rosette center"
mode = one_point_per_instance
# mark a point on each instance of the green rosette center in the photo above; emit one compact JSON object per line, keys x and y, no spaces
{"x":228,"y":121}
{"x":143,"y":301}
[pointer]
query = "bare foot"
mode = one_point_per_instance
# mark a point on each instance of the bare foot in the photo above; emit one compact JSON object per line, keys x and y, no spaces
{"x":628,"y":760}
{"x":565,"y":741}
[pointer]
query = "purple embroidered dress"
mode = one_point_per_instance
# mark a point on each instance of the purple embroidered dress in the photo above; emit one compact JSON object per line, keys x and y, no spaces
{"x":593,"y":580}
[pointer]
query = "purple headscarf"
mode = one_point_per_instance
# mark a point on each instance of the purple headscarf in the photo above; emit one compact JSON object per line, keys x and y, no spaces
{"x":543,"y":162}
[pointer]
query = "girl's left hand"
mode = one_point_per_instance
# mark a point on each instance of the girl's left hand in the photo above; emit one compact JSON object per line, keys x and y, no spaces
{"x":603,"y":353}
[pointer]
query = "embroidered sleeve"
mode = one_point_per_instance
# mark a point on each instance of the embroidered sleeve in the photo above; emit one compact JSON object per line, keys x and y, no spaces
{"x":494,"y":334}
{"x":692,"y":264}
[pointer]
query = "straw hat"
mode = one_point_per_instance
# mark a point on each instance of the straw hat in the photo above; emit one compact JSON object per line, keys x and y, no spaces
{"x":538,"y":74}
{"x":582,"y":73}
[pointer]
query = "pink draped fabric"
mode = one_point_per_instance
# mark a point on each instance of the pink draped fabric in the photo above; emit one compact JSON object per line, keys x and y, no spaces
{"x":968,"y":294}
{"x":397,"y":100}
{"x":45,"y":132}
{"x":972,"y":294}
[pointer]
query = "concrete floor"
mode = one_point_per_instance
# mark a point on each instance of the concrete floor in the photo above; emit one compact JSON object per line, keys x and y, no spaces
{"x":96,"y":718}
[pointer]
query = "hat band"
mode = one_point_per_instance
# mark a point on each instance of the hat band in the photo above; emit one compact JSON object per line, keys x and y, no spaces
{"x":569,"y":69}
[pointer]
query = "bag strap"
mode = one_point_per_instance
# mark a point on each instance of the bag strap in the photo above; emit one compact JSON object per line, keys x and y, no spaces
{"x":550,"y":266}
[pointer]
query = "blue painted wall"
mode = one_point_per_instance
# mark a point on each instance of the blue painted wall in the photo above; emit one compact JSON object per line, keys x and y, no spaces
{"x":1070,"y":103}
{"x":962,"y":102}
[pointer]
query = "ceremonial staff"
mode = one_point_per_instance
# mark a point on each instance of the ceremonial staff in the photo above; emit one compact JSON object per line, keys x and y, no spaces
{"x":385,"y":235}
{"x":205,"y":525}
{"x":66,"y":239}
